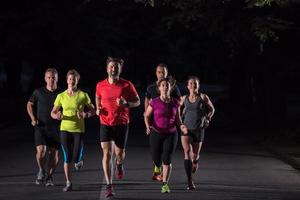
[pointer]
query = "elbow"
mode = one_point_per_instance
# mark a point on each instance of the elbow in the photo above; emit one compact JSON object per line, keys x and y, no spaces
{"x":52,"y":114}
{"x":138,"y":102}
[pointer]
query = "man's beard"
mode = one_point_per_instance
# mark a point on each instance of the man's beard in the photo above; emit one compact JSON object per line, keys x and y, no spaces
{"x":114,"y":74}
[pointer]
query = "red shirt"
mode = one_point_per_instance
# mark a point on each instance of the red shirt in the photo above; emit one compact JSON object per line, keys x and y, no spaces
{"x":113,"y":114}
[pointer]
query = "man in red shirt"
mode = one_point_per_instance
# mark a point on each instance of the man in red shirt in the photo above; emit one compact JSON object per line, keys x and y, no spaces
{"x":114,"y":98}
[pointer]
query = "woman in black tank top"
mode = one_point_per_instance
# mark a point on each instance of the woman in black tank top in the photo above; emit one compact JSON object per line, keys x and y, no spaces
{"x":197,"y":113}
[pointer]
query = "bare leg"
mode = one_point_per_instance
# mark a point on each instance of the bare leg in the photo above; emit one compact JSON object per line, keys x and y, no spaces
{"x":107,"y":148}
{"x":67,"y":167}
{"x":120,"y":155}
{"x":53,"y":161}
{"x":40,"y":156}
{"x":167,"y":169}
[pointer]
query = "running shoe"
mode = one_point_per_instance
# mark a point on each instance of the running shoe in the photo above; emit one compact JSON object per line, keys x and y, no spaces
{"x":119,"y":171}
{"x":109,"y":191}
{"x":78,"y":165}
{"x":165,"y":188}
{"x":191,"y":186}
{"x":68,"y":187}
{"x":40,"y":178}
{"x":49,"y":181}
{"x":157,"y":173}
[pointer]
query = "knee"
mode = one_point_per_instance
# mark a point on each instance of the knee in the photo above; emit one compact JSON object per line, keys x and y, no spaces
{"x":40,"y":151}
{"x":107,"y":154}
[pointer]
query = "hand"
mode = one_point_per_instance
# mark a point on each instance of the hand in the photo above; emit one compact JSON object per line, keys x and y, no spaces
{"x":122,"y":102}
{"x":206,"y":122}
{"x":34,"y":122}
{"x":184,"y":129}
{"x":148,"y":130}
{"x":81,"y":115}
{"x":99,"y":110}
{"x":59,"y":115}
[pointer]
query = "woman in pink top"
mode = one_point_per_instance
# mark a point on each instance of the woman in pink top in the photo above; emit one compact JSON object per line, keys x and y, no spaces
{"x":163,"y":134}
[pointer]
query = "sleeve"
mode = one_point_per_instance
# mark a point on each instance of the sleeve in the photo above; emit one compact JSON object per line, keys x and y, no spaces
{"x":57,"y":101}
{"x":152,"y":103}
{"x":33,"y":98}
{"x":131,"y":92}
{"x":147,"y":93}
{"x":87,"y":99}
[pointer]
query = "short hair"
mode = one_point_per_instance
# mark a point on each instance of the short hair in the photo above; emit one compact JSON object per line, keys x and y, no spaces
{"x":52,"y":70}
{"x":163,"y":65}
{"x":73,"y":72}
{"x":116,"y":60}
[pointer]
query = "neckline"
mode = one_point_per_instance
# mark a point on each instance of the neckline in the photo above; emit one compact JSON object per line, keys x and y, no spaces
{"x":164,"y":101}
{"x":196,"y":99}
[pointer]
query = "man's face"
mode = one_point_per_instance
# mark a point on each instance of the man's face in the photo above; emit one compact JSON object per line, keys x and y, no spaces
{"x":113,"y":69}
{"x":51,"y":79}
{"x":161,"y":72}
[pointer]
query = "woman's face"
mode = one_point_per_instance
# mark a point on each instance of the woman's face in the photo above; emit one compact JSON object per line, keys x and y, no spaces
{"x":193,"y":85}
{"x":164,"y":88}
{"x":72,"y":81}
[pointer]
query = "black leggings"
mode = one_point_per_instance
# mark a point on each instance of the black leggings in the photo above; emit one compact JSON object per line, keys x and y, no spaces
{"x":72,"y":146}
{"x":162,"y":147}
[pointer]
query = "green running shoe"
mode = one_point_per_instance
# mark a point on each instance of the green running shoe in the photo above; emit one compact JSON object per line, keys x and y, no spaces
{"x":165,"y":188}
{"x":157,"y":170}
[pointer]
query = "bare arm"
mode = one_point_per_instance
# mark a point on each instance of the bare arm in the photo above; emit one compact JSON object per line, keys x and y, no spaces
{"x":210,"y":107}
{"x":31,"y":113}
{"x":146,"y":103}
{"x":98,"y":105}
{"x":147,"y":117}
{"x":88,"y":114}
{"x":56,"y":113}
{"x":134,"y":103}
{"x":131,"y":104}
{"x":179,"y":123}
{"x":91,"y":111}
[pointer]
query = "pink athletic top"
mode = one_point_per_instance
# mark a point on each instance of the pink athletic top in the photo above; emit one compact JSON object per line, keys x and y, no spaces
{"x":164,"y":115}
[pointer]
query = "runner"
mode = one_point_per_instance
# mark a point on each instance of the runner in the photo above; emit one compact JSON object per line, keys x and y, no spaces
{"x":46,"y":130}
{"x":114,"y":98}
{"x":151,"y":93}
{"x":162,"y":131}
{"x":196,"y":119}
{"x":72,"y":101}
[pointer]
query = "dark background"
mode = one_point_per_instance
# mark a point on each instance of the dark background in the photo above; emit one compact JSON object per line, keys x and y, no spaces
{"x":244,"y":51}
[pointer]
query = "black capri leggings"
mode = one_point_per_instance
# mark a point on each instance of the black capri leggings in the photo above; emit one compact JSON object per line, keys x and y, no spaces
{"x":72,"y":146}
{"x":162,"y":146}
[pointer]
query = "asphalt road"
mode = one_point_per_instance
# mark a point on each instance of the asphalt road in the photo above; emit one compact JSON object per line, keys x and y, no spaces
{"x":231,"y":166}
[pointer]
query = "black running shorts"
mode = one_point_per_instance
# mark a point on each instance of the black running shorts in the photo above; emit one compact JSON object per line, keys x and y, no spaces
{"x":48,"y":136}
{"x":118,"y":134}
